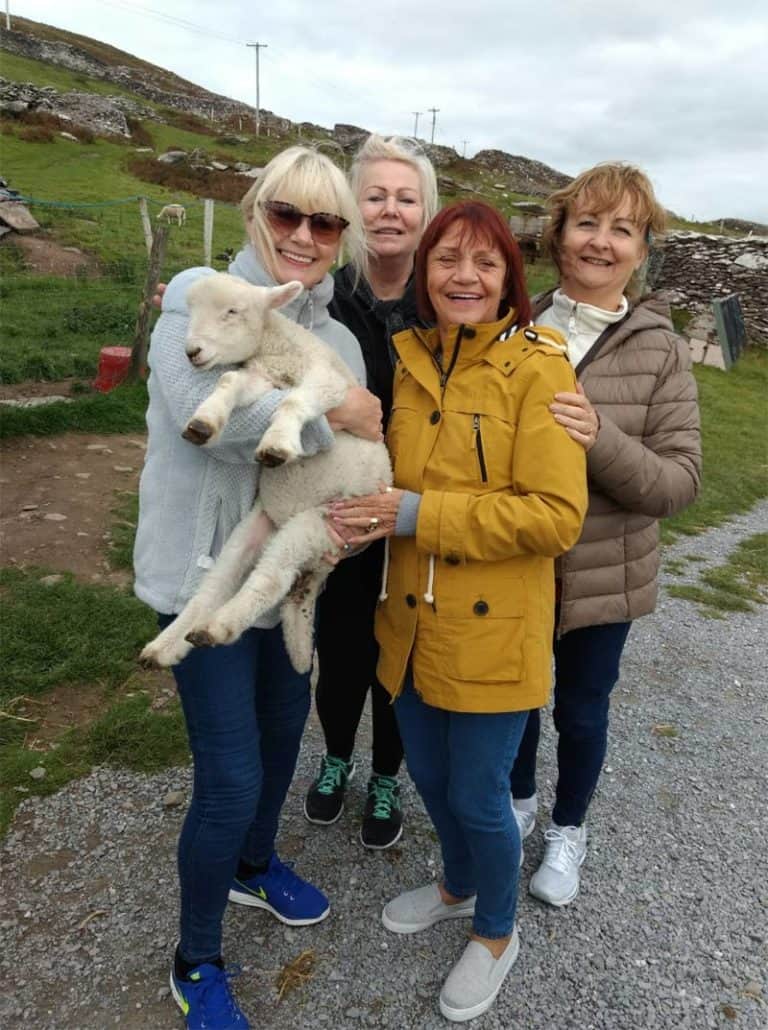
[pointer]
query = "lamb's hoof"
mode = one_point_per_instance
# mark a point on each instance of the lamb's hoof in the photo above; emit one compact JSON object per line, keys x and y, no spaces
{"x":198,"y":432}
{"x":149,"y":662}
{"x":271,"y":459}
{"x":200,"y":638}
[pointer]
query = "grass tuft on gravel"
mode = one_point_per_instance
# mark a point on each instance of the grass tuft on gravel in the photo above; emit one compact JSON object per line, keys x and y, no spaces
{"x":76,"y":633}
{"x":736,"y":586}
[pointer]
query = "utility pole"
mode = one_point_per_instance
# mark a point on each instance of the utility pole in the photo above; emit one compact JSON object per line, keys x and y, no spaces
{"x":416,"y":123}
{"x":257,"y":47}
{"x":434,"y":111}
{"x":7,"y":16}
{"x":464,"y":152}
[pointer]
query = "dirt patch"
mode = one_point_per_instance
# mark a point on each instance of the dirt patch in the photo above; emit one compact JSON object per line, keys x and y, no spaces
{"x":46,"y":257}
{"x":57,"y":498}
{"x":20,"y":391}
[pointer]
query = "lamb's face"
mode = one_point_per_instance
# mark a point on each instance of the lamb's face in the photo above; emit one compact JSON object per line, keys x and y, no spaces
{"x":226,"y":321}
{"x":227,"y":318}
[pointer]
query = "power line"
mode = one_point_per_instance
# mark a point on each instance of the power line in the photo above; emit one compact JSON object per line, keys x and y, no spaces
{"x":170,"y":19}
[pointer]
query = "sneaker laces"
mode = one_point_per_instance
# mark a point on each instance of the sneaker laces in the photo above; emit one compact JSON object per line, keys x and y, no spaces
{"x":285,"y":879}
{"x":333,"y":773}
{"x":561,"y":852}
{"x":383,"y":791}
{"x":216,"y":1000}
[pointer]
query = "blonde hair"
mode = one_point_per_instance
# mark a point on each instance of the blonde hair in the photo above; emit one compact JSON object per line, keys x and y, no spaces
{"x":605,"y":187}
{"x":408,"y":152}
{"x":310,"y":180}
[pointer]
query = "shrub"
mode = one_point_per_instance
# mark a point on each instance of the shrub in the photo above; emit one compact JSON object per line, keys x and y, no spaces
{"x":37,"y":134}
{"x":227,"y":186}
{"x":140,"y":135}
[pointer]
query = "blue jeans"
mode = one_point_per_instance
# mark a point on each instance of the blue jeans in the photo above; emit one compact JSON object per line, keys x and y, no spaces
{"x":460,"y":762}
{"x":245,"y":708}
{"x":586,"y":670}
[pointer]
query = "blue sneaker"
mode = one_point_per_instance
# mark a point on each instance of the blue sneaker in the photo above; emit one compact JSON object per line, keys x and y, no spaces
{"x":280,"y":891}
{"x":206,"y":999}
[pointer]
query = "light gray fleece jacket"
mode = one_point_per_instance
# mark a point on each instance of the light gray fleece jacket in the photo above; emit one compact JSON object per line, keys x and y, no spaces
{"x":191,"y":498}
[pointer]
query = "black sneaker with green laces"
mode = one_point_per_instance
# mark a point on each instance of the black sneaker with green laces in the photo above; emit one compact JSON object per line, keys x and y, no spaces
{"x":324,"y":802}
{"x":383,"y":816}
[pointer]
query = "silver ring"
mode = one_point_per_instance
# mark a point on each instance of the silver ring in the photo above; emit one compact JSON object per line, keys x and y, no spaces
{"x":389,"y":490}
{"x":346,"y":547}
{"x":373,"y":523}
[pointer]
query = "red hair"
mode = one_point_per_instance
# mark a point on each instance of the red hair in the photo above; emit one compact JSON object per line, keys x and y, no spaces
{"x":483,"y":222}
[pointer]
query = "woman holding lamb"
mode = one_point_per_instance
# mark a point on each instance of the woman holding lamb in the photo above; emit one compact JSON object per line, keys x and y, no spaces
{"x":396,"y":189}
{"x":244,"y":705}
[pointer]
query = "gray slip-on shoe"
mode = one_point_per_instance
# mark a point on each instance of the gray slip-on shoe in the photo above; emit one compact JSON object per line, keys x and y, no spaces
{"x":421,"y":908}
{"x":476,"y":979}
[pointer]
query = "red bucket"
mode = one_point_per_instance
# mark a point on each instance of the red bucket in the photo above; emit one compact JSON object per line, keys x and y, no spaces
{"x":114,"y":363}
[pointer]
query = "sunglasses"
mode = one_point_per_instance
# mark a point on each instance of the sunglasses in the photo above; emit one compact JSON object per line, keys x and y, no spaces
{"x":323,"y":227}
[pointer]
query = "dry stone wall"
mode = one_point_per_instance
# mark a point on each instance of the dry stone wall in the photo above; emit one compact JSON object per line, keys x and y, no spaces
{"x":697,"y":269}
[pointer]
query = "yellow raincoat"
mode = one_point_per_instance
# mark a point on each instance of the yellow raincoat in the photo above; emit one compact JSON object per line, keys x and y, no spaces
{"x":470,"y":598}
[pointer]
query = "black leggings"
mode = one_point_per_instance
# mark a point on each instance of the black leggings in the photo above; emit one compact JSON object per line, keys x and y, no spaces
{"x":348,"y":654}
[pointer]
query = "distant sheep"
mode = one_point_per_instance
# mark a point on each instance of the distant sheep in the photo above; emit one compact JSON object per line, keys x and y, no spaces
{"x":173,"y":213}
{"x":233,"y":322}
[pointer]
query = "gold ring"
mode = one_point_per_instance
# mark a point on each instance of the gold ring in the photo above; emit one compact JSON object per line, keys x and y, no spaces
{"x":389,"y":490}
{"x":373,"y":522}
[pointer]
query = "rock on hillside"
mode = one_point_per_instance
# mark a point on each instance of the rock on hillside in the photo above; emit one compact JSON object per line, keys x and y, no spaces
{"x":522,"y":174}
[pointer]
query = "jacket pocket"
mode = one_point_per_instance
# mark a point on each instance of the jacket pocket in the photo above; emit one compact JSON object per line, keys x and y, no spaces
{"x":481,"y":632}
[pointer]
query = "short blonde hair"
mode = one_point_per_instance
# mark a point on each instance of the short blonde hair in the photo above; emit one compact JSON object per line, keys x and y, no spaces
{"x":310,"y":180}
{"x":407,"y":151}
{"x":605,"y":187}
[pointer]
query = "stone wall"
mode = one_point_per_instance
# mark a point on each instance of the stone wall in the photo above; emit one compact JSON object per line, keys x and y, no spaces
{"x":696,"y":269}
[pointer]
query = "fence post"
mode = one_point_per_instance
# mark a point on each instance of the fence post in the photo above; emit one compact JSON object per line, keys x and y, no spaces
{"x":207,"y":231}
{"x":146,"y":225}
{"x":138,"y":368}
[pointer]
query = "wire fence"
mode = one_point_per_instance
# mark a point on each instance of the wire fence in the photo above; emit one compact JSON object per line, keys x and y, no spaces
{"x":76,"y":286}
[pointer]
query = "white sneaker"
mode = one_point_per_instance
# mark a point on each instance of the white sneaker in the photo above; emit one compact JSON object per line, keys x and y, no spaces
{"x":525,"y":817}
{"x":476,"y":979}
{"x":556,"y":881}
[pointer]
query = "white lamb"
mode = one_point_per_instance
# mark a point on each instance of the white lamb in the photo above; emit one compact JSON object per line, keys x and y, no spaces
{"x":173,"y":213}
{"x":233,"y":322}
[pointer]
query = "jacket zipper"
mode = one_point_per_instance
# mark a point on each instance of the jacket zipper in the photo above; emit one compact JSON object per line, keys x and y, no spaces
{"x":479,"y":448}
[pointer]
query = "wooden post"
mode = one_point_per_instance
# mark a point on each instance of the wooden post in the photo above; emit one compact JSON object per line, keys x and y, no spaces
{"x":138,"y":370}
{"x":207,"y":230}
{"x":145,"y":223}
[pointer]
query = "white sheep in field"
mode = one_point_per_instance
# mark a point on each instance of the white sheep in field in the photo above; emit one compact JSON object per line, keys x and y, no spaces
{"x":233,"y":322}
{"x":173,"y":213}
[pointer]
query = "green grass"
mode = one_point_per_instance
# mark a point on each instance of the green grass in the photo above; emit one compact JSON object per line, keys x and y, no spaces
{"x":128,"y":735}
{"x":120,"y":411}
{"x":734,"y":418}
{"x":40,"y":73}
{"x":123,"y":531}
{"x":69,"y":632}
{"x":737,"y":585}
{"x":75,"y":633}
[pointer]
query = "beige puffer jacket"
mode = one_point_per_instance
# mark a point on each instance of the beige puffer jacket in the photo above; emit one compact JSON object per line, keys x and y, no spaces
{"x":645,"y":465}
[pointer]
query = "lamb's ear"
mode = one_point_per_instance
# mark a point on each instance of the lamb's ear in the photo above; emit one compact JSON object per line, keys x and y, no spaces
{"x":279,"y":296}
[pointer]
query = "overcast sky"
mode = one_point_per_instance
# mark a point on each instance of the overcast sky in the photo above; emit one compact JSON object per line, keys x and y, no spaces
{"x":679,"y":87}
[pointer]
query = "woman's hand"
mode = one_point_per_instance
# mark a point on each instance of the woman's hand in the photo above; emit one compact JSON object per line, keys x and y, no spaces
{"x":359,"y":413}
{"x":341,"y":541}
{"x":577,"y":416}
{"x":157,"y":297}
{"x":369,"y":518}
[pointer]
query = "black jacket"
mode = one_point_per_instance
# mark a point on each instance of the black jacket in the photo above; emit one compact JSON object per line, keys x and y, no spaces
{"x":373,"y":322}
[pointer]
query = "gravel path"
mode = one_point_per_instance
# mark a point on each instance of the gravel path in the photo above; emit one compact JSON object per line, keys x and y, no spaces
{"x":670,"y":929}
